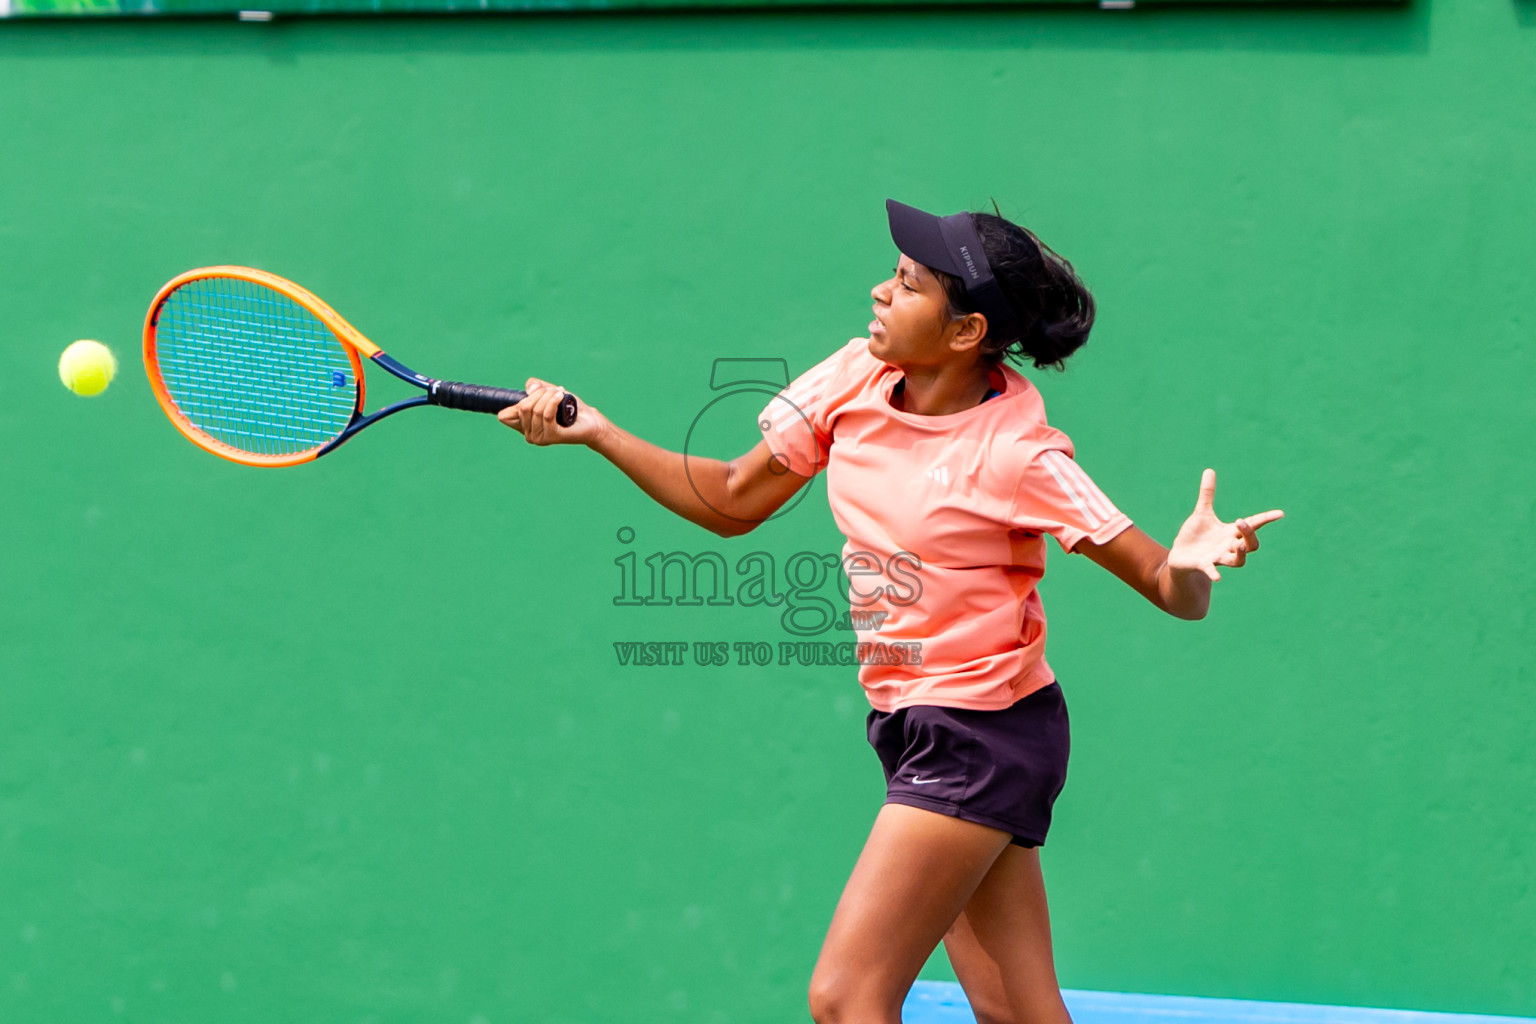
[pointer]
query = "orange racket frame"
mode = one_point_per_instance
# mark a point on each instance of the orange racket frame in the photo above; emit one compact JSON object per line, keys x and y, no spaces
{"x":449,"y":394}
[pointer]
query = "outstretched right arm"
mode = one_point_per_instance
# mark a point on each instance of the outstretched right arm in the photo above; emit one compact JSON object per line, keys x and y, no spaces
{"x":727,"y":498}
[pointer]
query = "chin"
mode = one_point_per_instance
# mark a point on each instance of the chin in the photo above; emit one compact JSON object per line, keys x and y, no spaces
{"x":881,"y":351}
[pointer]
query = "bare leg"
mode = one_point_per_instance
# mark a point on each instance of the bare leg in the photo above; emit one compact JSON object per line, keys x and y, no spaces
{"x":1000,"y":946}
{"x":918,"y":870}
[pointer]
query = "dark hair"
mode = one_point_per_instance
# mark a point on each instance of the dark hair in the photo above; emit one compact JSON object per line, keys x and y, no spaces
{"x":1054,"y":308}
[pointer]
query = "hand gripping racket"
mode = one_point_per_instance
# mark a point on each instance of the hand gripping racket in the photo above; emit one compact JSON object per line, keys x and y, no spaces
{"x":256,"y":369}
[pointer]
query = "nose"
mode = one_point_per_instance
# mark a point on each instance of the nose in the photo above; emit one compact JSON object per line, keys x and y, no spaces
{"x":881,"y":292}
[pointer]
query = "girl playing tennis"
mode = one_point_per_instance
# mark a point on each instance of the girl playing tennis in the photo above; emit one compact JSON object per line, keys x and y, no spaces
{"x":938,"y":454}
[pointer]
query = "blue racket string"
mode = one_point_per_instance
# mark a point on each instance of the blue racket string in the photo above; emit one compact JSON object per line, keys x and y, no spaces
{"x":253,"y":369}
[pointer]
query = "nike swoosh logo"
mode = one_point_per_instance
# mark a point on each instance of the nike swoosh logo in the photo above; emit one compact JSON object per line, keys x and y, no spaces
{"x":919,"y":781}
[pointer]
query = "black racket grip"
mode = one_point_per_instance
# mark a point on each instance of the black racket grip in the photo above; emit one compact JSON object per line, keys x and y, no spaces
{"x":451,"y":394}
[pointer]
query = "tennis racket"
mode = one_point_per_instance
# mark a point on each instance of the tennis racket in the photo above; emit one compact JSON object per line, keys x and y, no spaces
{"x":256,"y":369}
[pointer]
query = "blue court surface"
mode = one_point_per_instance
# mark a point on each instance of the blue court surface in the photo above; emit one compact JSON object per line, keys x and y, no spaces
{"x":942,"y":1002}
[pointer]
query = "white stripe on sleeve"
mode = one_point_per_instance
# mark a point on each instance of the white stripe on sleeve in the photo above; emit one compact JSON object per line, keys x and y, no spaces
{"x":801,"y":396}
{"x":1090,"y":491}
{"x":809,"y":386}
{"x":1087,"y":513}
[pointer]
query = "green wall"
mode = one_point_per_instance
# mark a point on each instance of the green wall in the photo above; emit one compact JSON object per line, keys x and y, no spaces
{"x":351,"y":743}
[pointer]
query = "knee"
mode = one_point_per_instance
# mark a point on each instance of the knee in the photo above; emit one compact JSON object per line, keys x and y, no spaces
{"x":824,"y":1001}
{"x":838,"y":1000}
{"x":828,"y":1000}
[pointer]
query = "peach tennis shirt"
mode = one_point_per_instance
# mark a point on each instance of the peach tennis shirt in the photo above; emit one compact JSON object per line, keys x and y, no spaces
{"x":945,"y":519}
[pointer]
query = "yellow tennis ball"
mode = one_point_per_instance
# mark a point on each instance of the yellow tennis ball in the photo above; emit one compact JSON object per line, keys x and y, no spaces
{"x":87,"y":367}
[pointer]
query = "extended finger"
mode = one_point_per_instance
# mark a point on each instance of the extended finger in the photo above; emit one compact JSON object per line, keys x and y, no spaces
{"x":1206,"y":502}
{"x":1262,"y":518}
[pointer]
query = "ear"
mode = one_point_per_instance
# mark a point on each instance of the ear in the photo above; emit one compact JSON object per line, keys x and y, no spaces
{"x":968,"y":332}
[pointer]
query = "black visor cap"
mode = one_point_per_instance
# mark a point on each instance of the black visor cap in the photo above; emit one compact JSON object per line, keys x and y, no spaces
{"x":951,"y":244}
{"x":919,"y":236}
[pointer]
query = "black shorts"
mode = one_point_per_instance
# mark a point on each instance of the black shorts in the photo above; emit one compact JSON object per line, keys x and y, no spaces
{"x":1003,"y":768}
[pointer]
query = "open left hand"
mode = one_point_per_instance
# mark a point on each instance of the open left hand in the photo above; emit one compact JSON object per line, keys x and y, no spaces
{"x":1204,"y":541}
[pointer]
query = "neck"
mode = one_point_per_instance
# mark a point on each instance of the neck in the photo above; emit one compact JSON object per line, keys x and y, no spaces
{"x":939,"y":391}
